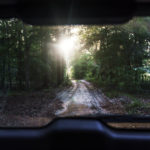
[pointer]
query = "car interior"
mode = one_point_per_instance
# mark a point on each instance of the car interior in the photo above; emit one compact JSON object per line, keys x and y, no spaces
{"x":87,"y":131}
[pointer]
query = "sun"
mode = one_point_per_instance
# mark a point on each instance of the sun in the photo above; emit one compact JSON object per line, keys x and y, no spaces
{"x":66,"y":46}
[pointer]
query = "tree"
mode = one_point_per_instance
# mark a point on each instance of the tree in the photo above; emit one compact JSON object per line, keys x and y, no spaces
{"x":26,"y":60}
{"x":118,"y":51}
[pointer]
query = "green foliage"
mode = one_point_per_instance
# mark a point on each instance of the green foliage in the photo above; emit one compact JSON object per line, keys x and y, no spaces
{"x":134,"y":106}
{"x":27,"y":58}
{"x":67,"y":82}
{"x":112,"y":93}
{"x":118,"y":52}
{"x":84,"y":67}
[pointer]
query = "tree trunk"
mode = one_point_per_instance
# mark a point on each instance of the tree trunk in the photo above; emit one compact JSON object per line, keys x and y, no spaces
{"x":9,"y":70}
{"x":27,"y":71}
{"x":27,"y":58}
{"x":3,"y":73}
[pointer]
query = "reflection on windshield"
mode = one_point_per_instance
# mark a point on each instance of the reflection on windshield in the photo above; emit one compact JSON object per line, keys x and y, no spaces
{"x":46,"y":72}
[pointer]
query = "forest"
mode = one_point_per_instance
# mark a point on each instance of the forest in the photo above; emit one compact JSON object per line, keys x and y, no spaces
{"x":28,"y":59}
{"x":112,"y":58}
{"x":115,"y":57}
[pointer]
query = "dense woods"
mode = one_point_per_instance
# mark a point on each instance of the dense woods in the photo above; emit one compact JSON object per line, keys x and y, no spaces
{"x":28,"y":56}
{"x":111,"y":56}
{"x":73,"y":70}
{"x":115,"y":57}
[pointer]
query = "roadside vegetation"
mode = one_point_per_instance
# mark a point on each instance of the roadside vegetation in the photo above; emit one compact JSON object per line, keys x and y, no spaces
{"x":117,"y":59}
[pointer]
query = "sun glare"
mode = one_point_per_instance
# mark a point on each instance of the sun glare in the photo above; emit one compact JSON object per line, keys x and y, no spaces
{"x":75,"y":30}
{"x":66,"y":47}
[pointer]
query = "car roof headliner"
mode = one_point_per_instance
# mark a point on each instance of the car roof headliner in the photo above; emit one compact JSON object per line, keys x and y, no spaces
{"x":60,"y":12}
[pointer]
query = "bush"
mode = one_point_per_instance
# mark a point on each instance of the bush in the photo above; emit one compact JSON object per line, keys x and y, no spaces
{"x":84,"y":68}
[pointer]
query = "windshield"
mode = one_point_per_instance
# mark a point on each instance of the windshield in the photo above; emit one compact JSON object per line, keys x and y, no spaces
{"x":49,"y":72}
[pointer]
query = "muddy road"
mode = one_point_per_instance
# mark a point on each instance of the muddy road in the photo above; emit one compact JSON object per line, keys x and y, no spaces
{"x":39,"y":108}
{"x":81,"y":99}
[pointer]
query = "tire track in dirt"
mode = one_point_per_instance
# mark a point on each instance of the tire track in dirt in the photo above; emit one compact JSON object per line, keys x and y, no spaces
{"x":83,"y":100}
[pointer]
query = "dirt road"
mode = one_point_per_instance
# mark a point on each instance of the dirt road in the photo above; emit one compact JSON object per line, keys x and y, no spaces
{"x":81,"y":99}
{"x":39,"y":108}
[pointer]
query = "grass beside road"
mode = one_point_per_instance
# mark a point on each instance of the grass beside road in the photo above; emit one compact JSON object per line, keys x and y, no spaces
{"x":133,"y":103}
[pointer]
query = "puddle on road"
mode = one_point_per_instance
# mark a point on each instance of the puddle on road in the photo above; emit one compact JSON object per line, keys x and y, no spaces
{"x":76,"y":110}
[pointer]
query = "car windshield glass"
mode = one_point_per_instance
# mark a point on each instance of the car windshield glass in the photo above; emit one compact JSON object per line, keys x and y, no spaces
{"x":55,"y":71}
